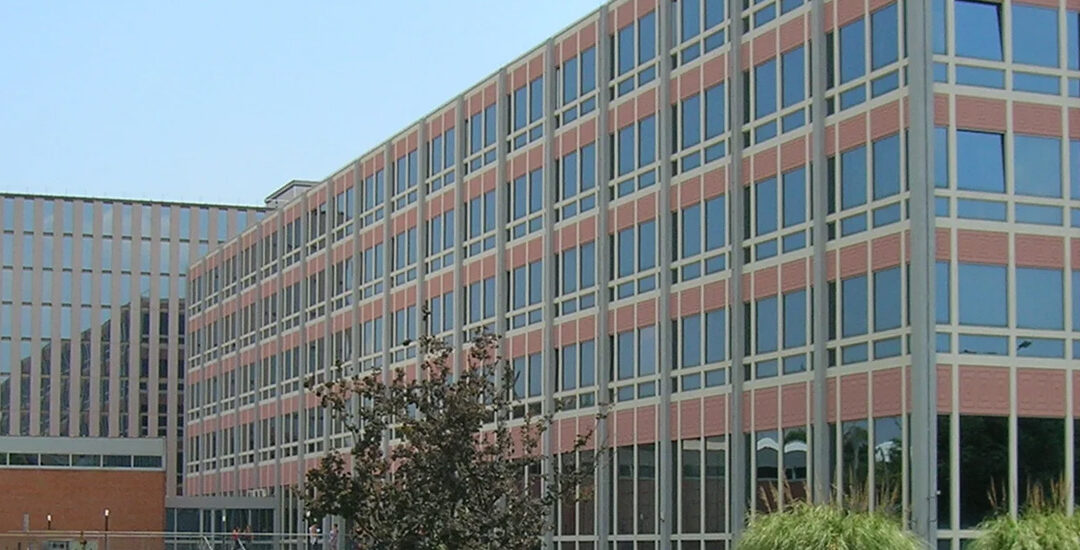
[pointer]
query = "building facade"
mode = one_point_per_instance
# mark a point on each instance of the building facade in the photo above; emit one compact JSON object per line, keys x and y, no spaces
{"x":92,"y":314}
{"x":803,"y":248}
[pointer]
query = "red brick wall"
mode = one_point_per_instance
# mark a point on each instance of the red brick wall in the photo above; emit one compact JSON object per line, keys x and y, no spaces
{"x":77,"y":499}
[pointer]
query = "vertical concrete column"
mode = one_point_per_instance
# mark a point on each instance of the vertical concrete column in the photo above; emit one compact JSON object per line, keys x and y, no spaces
{"x":603,"y":251}
{"x":548,"y":349}
{"x":822,"y":483}
{"x":920,"y":171}
{"x":664,"y":238}
{"x":459,"y":232}
{"x":735,"y":192}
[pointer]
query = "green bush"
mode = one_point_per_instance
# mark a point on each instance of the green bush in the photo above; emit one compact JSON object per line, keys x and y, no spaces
{"x":804,"y":526}
{"x":1035,"y":529}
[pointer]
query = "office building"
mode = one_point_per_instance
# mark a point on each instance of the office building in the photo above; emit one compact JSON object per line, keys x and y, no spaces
{"x":827,"y":246}
{"x":92,"y":314}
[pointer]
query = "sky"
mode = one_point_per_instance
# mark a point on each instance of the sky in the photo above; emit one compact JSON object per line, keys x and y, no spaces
{"x":224,"y":102}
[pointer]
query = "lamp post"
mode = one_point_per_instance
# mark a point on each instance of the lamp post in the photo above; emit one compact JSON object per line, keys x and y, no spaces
{"x":106,"y":529}
{"x":48,"y":520}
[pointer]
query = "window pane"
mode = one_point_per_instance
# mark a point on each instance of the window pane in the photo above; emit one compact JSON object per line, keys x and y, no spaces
{"x":691,"y":19}
{"x":626,"y":150}
{"x":715,"y":336}
{"x":983,"y":292}
{"x":714,"y":111}
{"x":626,"y":252}
{"x":852,"y":51}
{"x":647,"y":37}
{"x":795,"y":319}
{"x":715,"y":227}
{"x":854,"y":306}
{"x":795,"y":197}
{"x":984,"y":463}
{"x":647,"y":245}
{"x":980,"y":161}
{"x":1040,"y":298}
{"x":853,"y":178}
{"x":765,"y":206}
{"x":978,"y":29}
{"x":794,"y":76}
{"x":1035,"y":35}
{"x":647,"y":350}
{"x":1037,"y":166}
{"x":647,"y":141}
{"x":887,"y":299}
{"x":887,"y":167}
{"x":765,"y":89}
{"x":766,"y":326}
{"x":626,"y":49}
{"x":691,"y":231}
{"x":883,"y":31}
{"x":941,"y":292}
{"x":691,"y":341}
{"x":691,"y":121}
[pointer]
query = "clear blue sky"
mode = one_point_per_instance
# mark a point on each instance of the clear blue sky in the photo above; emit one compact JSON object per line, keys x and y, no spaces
{"x":225,"y":101}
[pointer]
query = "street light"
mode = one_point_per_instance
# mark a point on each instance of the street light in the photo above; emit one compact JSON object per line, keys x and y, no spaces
{"x":106,"y":529}
{"x":48,"y":519}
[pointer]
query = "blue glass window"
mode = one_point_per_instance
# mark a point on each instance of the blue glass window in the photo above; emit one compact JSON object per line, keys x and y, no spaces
{"x":570,"y":80}
{"x":521,"y":113}
{"x":569,"y":175}
{"x":626,"y":150}
{"x":691,"y":341}
{"x":1072,"y":30}
{"x":568,"y":367}
{"x":1076,"y":302}
{"x":536,"y":99}
{"x":794,"y":183}
{"x":1040,"y":298}
{"x":1034,"y":35}
{"x":883,"y":49}
{"x":1037,"y":164}
{"x":647,"y":141}
{"x":941,"y":157}
{"x":766,"y":325}
{"x":794,"y":81}
{"x":691,"y":231}
{"x":535,"y":375}
{"x":854,"y":306}
{"x":853,"y":177}
{"x":938,"y":16}
{"x":647,"y":245}
{"x":647,"y":37}
{"x":715,"y":336}
{"x":715,"y":224}
{"x":795,"y":319}
{"x":765,"y":89}
{"x":887,"y":167}
{"x":691,"y":120}
{"x":626,"y":49}
{"x":980,"y":161}
{"x":887,"y":286}
{"x":588,"y":70}
{"x":626,"y":252}
{"x":588,"y":264}
{"x":714,"y":111}
{"x":978,"y":29}
{"x":941,"y":292}
{"x":852,"y":51}
{"x":1074,"y":169}
{"x":691,"y":19}
{"x":982,"y":291}
{"x":765,"y":206}
{"x":714,"y":13}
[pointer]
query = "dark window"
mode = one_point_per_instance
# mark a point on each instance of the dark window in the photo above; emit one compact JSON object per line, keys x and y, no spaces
{"x":1040,"y":455}
{"x":984,"y":463}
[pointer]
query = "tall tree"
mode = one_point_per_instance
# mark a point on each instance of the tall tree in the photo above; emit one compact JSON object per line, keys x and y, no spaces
{"x":438,"y":461}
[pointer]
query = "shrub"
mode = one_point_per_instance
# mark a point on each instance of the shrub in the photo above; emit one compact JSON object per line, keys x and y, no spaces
{"x":803,"y":526}
{"x":1043,"y":524}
